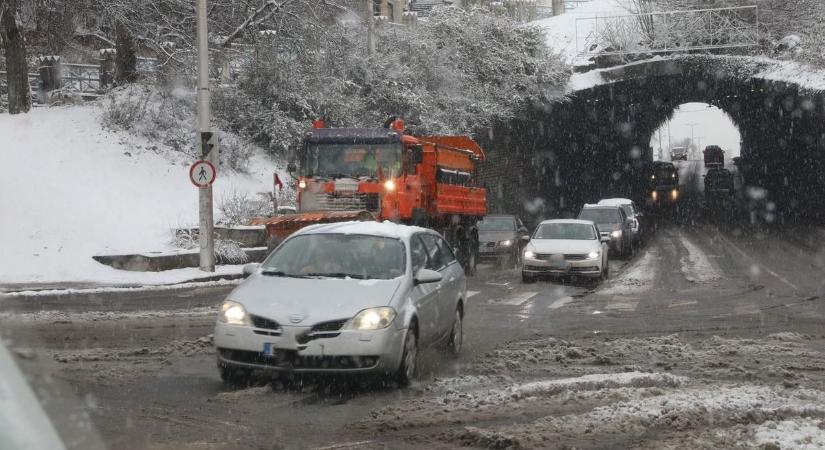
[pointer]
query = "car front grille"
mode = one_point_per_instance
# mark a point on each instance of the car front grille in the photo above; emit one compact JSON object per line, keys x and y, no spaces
{"x":290,"y":359}
{"x":333,"y":325}
{"x":264,"y":323}
{"x":568,"y":257}
{"x":347,"y":202}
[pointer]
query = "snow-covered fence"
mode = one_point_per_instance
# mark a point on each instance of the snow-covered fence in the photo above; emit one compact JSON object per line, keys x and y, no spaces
{"x":668,"y":31}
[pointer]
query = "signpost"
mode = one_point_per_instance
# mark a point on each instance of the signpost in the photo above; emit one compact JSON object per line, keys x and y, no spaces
{"x":208,"y":147}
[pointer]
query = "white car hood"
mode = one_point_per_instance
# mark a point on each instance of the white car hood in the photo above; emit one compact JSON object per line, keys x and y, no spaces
{"x":314,"y":299}
{"x":565,"y":246}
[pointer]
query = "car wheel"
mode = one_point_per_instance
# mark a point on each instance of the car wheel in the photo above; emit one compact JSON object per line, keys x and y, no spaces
{"x":606,"y":270}
{"x":233,"y":375}
{"x":456,"y":334}
{"x":527,"y":278}
{"x":409,"y":359}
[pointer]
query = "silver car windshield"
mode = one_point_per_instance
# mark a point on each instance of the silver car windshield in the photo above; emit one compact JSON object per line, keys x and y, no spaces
{"x":575,"y":231}
{"x":601,"y":215}
{"x":338,"y":256}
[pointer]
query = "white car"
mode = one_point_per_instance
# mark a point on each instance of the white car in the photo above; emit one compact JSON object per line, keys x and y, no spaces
{"x":630,"y":209}
{"x":565,"y":247}
{"x":352,"y":297}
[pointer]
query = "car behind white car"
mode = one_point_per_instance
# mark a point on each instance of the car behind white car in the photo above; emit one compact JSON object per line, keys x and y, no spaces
{"x":565,"y":247}
{"x":351,"y":297}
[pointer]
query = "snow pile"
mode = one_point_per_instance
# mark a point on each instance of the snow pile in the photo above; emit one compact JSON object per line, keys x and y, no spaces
{"x":799,"y":433}
{"x":696,"y":266}
{"x":71,"y":190}
{"x":639,"y":277}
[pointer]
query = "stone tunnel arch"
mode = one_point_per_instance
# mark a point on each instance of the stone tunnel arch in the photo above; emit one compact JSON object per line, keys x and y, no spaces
{"x":596,"y":142}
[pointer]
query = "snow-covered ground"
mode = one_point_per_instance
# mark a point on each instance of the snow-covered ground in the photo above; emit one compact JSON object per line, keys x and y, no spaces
{"x":71,"y":189}
{"x":565,"y":32}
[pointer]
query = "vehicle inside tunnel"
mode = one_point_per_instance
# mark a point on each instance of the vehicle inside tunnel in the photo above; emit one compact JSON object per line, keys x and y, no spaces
{"x":597,"y":143}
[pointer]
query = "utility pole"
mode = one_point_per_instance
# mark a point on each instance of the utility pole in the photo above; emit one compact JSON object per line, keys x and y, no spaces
{"x":370,"y":28}
{"x":206,"y":236}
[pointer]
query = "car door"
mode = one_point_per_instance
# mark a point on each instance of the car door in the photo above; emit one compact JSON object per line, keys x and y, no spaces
{"x":424,"y":296}
{"x":453,"y":284}
{"x":438,"y":259}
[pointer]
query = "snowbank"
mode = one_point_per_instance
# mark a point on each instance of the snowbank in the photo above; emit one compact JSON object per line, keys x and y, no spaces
{"x":71,"y":190}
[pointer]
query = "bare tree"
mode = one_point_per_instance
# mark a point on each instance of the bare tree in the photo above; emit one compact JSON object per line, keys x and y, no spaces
{"x":17,"y":70}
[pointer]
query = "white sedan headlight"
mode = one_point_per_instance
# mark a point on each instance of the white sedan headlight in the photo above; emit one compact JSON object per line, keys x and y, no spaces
{"x":505,"y":243}
{"x":529,"y":254}
{"x":616,"y":234}
{"x":371,"y":319}
{"x":593,"y":255}
{"x":233,"y":313}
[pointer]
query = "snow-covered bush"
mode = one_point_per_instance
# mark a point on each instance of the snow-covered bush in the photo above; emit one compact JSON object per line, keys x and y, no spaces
{"x":238,"y":208}
{"x":168,"y":117}
{"x":229,"y":252}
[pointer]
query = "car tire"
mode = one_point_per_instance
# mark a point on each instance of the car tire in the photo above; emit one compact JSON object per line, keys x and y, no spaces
{"x":233,"y":375}
{"x":409,"y":359}
{"x":456,"y":341}
{"x":527,"y":278}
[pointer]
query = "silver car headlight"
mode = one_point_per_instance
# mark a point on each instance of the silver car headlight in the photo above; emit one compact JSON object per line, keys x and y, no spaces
{"x":233,"y":313}
{"x":505,"y":243}
{"x":371,"y":319}
{"x":593,"y":255}
{"x":616,"y":234}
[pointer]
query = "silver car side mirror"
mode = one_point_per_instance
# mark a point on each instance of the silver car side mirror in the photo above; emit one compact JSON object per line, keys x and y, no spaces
{"x":427,"y":276}
{"x":250,"y":268}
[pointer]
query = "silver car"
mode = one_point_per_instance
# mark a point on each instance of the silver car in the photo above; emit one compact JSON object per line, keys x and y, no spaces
{"x":352,"y":297}
{"x":563,"y":247}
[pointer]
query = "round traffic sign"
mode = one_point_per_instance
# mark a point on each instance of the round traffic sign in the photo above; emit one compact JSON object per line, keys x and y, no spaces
{"x":202,"y":174}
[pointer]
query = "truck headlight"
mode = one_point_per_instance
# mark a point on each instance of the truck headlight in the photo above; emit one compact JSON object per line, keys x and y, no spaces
{"x":593,"y":255}
{"x":654,"y":195}
{"x":389,"y":185}
{"x":233,"y":313}
{"x":371,"y":319}
{"x":505,"y":243}
{"x":674,"y":194}
{"x":302,"y":184}
{"x":616,"y":234}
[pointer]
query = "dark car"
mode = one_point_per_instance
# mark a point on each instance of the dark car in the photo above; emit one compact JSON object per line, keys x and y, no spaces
{"x":664,"y":183}
{"x":501,"y":238}
{"x":612,"y":222}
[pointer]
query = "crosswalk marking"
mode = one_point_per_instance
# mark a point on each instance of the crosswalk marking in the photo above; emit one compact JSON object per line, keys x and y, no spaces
{"x":560,"y":302}
{"x":622,"y":303}
{"x":470,"y":294}
{"x":520,"y":299}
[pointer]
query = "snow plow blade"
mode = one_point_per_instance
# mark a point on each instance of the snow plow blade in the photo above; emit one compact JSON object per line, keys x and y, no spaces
{"x":279,"y":228}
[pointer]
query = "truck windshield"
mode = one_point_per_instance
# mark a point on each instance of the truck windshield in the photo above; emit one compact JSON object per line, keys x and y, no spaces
{"x":352,"y":160}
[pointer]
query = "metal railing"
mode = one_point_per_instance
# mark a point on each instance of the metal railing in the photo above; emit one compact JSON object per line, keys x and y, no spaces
{"x":668,"y":31}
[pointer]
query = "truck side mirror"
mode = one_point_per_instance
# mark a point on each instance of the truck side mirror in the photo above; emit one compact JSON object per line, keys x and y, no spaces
{"x":417,"y":154}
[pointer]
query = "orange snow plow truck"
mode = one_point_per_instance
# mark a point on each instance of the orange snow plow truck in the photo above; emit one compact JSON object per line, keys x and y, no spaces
{"x":385,"y":174}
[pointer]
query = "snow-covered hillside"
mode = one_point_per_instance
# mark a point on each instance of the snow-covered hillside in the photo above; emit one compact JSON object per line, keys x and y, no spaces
{"x":561,"y":31}
{"x":70,"y":189}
